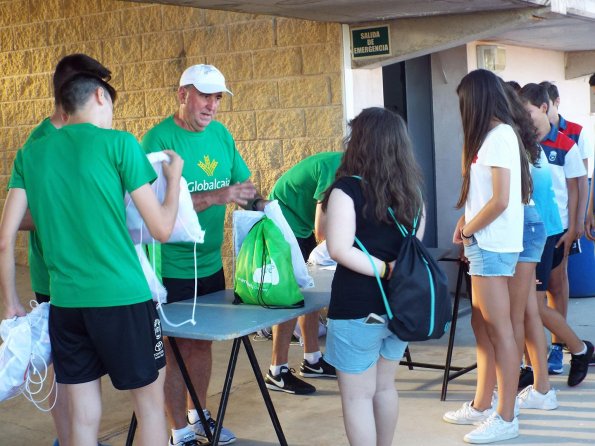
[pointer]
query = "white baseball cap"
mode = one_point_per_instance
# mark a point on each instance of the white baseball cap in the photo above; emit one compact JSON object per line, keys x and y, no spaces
{"x":206,"y":78}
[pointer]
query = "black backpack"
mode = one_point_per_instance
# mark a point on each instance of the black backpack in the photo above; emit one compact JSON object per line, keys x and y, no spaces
{"x":418,"y":303}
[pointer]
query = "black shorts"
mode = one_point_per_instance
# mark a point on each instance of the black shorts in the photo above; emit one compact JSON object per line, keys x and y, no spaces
{"x":124,"y":341}
{"x":550,"y":259}
{"x":182,"y":289}
{"x":41,"y":298}
{"x":307,"y":245}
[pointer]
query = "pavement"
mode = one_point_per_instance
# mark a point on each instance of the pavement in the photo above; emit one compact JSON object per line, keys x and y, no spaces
{"x":317,"y":419}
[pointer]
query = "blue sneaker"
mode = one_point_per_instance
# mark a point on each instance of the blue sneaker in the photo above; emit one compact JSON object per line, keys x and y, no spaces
{"x":554,"y":360}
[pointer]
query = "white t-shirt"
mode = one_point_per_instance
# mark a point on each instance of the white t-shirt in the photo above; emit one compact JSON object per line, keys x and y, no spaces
{"x":500,"y":149}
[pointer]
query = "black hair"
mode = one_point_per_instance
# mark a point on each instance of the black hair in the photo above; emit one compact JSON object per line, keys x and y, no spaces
{"x":592,"y":80}
{"x":514,"y":85}
{"x":76,"y":63}
{"x":536,"y":94}
{"x":551,"y":89}
{"x":75,"y":91}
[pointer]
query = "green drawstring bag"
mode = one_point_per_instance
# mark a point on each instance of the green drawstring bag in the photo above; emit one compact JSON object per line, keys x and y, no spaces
{"x":264,"y":272}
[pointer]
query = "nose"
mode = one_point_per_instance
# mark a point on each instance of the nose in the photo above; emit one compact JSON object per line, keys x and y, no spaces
{"x":211,"y":102}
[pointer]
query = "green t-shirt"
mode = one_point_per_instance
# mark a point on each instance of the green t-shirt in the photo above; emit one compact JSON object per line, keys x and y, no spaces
{"x":75,"y":181}
{"x":211,"y":161}
{"x":40,"y":278}
{"x":302,"y":187}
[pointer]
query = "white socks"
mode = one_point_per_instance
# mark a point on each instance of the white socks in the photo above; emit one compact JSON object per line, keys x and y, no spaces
{"x":276,"y":369}
{"x":178,"y":435}
{"x":313,"y":357}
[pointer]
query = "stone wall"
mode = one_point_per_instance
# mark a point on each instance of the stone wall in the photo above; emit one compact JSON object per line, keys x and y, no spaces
{"x":285,"y":74}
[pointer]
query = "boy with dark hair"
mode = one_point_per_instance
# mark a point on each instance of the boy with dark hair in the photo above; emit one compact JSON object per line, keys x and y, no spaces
{"x":102,"y":319}
{"x":40,"y":279}
{"x":566,"y":167}
{"x":558,"y":292}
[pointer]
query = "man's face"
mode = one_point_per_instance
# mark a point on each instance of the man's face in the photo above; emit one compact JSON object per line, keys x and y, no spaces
{"x":539,"y":117}
{"x":198,"y":109}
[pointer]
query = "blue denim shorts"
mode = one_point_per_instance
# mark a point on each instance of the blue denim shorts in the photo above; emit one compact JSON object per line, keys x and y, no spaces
{"x":534,"y":236}
{"x":353,"y":346}
{"x":489,"y":263}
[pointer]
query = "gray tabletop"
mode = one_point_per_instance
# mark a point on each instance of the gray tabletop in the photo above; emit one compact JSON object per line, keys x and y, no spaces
{"x":218,"y":319}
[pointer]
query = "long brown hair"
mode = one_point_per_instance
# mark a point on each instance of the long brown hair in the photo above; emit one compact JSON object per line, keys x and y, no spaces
{"x":379,"y":151}
{"x":482,"y":99}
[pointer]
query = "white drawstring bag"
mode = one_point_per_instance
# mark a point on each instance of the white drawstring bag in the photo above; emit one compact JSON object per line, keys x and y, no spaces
{"x":158,"y":291}
{"x":25,"y":354}
{"x":187,"y":227}
{"x":242,"y":222}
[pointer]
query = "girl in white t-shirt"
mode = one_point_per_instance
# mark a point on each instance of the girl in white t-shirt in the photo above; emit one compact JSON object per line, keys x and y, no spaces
{"x":496,"y":183}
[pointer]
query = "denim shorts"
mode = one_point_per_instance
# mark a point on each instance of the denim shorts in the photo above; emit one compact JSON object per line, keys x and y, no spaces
{"x":534,"y":236}
{"x":353,"y":346}
{"x":489,"y":263}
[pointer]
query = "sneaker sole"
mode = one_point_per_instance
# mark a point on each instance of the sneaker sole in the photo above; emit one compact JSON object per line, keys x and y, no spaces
{"x":291,"y":392}
{"x":318,"y":375}
{"x":490,"y":440}
{"x":461,"y":423}
{"x":545,"y":407}
{"x":555,"y":371}
{"x":279,"y":389}
{"x":206,"y":441}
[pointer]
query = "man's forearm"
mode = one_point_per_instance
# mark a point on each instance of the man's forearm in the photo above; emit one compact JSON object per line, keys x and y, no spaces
{"x":27,"y":223}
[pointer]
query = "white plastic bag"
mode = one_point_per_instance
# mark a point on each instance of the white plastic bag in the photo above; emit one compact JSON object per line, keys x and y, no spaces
{"x":242,"y":222}
{"x":25,"y":353}
{"x":320,"y":256}
{"x":186,"y":229}
{"x":158,"y":291}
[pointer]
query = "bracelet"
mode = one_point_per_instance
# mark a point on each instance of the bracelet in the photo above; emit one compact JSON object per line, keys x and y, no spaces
{"x":464,"y":236}
{"x":389,"y":271}
{"x":254,"y":203}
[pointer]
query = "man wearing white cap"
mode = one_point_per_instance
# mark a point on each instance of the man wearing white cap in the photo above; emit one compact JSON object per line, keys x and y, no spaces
{"x":216,"y":175}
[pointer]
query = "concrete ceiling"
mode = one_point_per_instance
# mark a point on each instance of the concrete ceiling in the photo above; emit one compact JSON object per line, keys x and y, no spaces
{"x":354,"y":11}
{"x":567,"y":30}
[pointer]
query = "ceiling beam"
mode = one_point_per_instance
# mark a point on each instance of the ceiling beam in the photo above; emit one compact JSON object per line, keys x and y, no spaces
{"x":414,"y":37}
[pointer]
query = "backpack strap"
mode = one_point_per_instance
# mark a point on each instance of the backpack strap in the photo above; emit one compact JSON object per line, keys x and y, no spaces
{"x":389,"y":313}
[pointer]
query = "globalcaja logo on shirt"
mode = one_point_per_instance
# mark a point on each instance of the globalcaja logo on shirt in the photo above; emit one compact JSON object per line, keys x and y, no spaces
{"x":208,"y":166}
{"x":204,"y":185}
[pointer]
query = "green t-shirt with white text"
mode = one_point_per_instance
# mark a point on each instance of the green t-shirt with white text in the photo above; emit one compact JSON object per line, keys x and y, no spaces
{"x":40,"y":278}
{"x":75,"y":181}
{"x":300,"y":189}
{"x":211,"y":161}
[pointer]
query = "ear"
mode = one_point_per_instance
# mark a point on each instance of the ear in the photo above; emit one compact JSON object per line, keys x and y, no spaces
{"x":544,"y":107}
{"x":182,"y":95}
{"x":100,"y":95}
{"x":557,"y":102}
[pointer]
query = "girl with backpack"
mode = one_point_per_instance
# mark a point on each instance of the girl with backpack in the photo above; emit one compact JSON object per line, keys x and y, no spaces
{"x":496,"y":184}
{"x":378,"y":174}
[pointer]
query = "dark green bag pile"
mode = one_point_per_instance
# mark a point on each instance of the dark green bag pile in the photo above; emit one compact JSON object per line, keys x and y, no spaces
{"x":271,"y":286}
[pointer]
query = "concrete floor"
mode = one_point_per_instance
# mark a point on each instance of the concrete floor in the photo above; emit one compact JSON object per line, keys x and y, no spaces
{"x":317,"y":419}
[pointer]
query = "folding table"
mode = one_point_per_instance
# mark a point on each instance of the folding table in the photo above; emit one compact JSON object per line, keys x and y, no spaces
{"x":218,"y":319}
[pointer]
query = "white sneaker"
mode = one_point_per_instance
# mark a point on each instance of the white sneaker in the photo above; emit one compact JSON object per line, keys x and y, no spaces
{"x":467,"y":414}
{"x":226,"y":437}
{"x":517,"y":407}
{"x":529,"y":398}
{"x":493,"y":429}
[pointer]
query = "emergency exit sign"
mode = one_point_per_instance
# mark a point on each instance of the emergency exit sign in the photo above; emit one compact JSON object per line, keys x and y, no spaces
{"x":369,"y":42}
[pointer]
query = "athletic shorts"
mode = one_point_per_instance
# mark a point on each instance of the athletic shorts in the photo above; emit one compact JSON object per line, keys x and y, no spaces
{"x":307,"y":245}
{"x":550,"y":259}
{"x":182,"y":289}
{"x":353,"y":346}
{"x":124,"y":342}
{"x":489,"y":263}
{"x":41,"y":298}
{"x":534,"y":236}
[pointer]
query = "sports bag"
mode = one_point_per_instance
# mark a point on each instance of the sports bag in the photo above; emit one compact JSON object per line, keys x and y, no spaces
{"x":418,"y":303}
{"x":264,"y":271}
